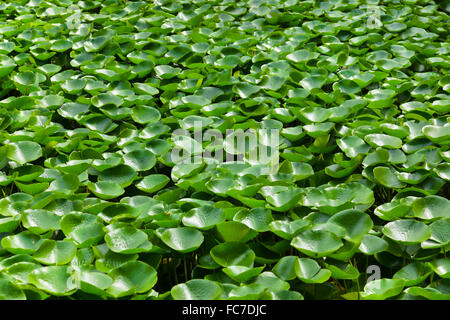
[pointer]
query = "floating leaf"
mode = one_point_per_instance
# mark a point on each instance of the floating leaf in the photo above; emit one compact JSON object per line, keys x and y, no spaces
{"x":407,"y":231}
{"x":233,"y":254}
{"x":196,"y":289}
{"x":181,"y":239}
{"x":55,"y":252}
{"x":24,"y":151}
{"x":55,"y":280}
{"x":431,"y":207}
{"x":355,"y":222}
{"x":316,"y":243}
{"x":204,"y":217}
{"x":382,"y":289}
{"x":127,"y":240}
{"x":130,"y":278}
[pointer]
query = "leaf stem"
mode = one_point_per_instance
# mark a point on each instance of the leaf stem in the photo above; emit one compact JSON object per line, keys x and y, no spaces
{"x":175,"y":270}
{"x":185,"y":270}
{"x":357,"y":279}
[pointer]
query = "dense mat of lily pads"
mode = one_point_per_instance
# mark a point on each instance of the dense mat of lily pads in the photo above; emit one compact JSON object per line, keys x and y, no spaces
{"x":93,"y":206}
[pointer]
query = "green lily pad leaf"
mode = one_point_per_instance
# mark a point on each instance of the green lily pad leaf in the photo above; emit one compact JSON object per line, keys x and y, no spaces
{"x":352,"y":146}
{"x":72,"y":110}
{"x":106,"y":99}
{"x":195,"y":122}
{"x":106,"y":189}
{"x":204,"y":217}
{"x":82,"y":229}
{"x":94,"y":282}
{"x":96,"y":44}
{"x":380,"y":98}
{"x":8,"y":262}
{"x":245,"y":89}
{"x":297,"y":95}
{"x":346,"y":86}
{"x":74,"y":166}
{"x":371,"y":244}
{"x":40,"y":221}
{"x":394,"y":130}
{"x":27,"y":173}
{"x":127,"y":240}
{"x":313,"y":82}
{"x":110,"y":160}
{"x":51,"y":101}
{"x":248,"y":292}
{"x":382,"y":289}
{"x":309,"y":271}
{"x":9,"y":291}
{"x":317,"y":243}
{"x":413,"y":273}
{"x":285,"y":268}
{"x":293,"y":133}
{"x":153,"y":131}
{"x":435,"y":291}
{"x":8,"y":224}
{"x":441,"y":267}
{"x":241,"y":273}
{"x":229,"y":231}
{"x":21,"y":270}
{"x":98,"y":122}
{"x":182,"y":239}
{"x":342,"y":270}
{"x":131,"y":278}
{"x":318,"y":129}
{"x":24,"y":242}
{"x":145,"y":114}
{"x":24,"y":151}
{"x":55,"y":252}
{"x":144,"y":88}
{"x":74,"y":86}
{"x":439,"y":234}
{"x":288,"y":230}
{"x":6,"y":65}
{"x":153,"y":183}
{"x":116,"y":212}
{"x":140,"y":160}
{"x":356,"y":224}
{"x":407,"y":231}
{"x":383,"y":140}
{"x":166,"y":71}
{"x":437,"y":134}
{"x":284,"y":200}
{"x":393,"y":210}
{"x":443,"y":171}
{"x":55,"y":280}
{"x":301,"y":55}
{"x":431,"y":207}
{"x":233,"y":254}
{"x":196,"y":289}
{"x":271,"y":282}
{"x":387,"y":177}
{"x":122,"y":175}
{"x":50,"y":69}
{"x":67,"y":184}
{"x":257,"y":219}
{"x":110,"y":260}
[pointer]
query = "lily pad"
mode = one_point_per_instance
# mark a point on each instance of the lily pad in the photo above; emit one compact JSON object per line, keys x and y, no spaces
{"x":196,"y":289}
{"x":233,"y":254}
{"x":182,"y":239}
{"x":316,"y":243}
{"x":407,"y":231}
